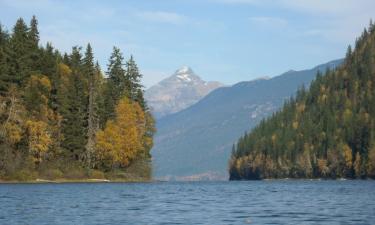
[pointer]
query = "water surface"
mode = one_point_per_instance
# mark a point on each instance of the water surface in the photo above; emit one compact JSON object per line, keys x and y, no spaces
{"x":250,"y":202}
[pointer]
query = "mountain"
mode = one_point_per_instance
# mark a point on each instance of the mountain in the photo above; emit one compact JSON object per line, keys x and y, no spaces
{"x":327,"y":131}
{"x":177,"y":92}
{"x":196,"y":142}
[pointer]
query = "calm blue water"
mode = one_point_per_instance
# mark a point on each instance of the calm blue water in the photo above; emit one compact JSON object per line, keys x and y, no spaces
{"x":253,"y":202}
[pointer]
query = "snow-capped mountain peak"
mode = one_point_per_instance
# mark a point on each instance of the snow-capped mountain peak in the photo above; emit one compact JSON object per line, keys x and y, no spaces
{"x":184,"y":70}
{"x":178,"y":92}
{"x":184,"y":77}
{"x":185,"y":74}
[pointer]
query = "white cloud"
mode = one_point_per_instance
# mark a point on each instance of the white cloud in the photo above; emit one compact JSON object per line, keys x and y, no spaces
{"x":314,"y":6}
{"x":269,"y":21}
{"x":334,"y":20}
{"x":162,"y":17}
{"x":333,"y":7}
{"x":25,"y":4}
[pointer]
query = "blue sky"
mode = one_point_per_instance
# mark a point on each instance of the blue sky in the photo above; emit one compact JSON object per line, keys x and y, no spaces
{"x":223,"y":40}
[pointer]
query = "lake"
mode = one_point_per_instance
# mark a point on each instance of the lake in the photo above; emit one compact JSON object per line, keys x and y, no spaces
{"x":240,"y":202}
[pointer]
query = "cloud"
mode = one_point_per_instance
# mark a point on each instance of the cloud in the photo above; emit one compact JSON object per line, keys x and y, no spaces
{"x":263,"y":21}
{"x":333,"y":7}
{"x":24,"y":4}
{"x":334,"y":20}
{"x":162,"y":17}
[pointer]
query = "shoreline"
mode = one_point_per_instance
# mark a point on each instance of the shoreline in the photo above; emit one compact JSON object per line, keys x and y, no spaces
{"x":67,"y":181}
{"x":305,"y":179}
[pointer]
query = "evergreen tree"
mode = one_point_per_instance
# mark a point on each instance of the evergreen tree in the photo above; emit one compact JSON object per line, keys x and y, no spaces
{"x":74,"y":128}
{"x":19,"y":65}
{"x":116,"y":84}
{"x":133,"y":82}
{"x":34,"y":51}
{"x":91,"y":74}
{"x":34,"y":33}
{"x":4,"y":37}
{"x":4,"y":76}
{"x":53,"y":106}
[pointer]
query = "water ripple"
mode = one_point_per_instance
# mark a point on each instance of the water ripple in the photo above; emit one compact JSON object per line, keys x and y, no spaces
{"x":264,"y":202}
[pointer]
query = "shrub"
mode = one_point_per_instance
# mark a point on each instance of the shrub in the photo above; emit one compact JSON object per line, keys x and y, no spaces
{"x":96,"y":174}
{"x":52,"y":174}
{"x":24,"y":175}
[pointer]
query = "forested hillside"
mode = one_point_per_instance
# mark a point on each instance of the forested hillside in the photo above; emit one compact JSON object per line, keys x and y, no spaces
{"x":196,"y":142}
{"x":61,"y":118}
{"x":326,"y":131}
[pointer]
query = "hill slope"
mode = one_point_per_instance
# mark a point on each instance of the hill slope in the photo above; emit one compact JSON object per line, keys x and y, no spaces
{"x":178,"y":92}
{"x":198,"y":139}
{"x":327,"y":131}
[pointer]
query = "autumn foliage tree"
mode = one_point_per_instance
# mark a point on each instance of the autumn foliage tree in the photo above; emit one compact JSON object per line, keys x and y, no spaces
{"x":58,"y":112}
{"x":121,"y":140}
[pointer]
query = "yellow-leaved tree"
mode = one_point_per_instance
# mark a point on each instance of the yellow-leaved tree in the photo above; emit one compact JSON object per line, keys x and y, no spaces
{"x":148,"y":140}
{"x":12,"y":116}
{"x":122,"y":138}
{"x":39,"y":124}
{"x":39,"y":139}
{"x":371,"y":162}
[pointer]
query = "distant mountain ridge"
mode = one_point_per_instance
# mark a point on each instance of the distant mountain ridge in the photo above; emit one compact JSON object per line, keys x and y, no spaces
{"x":196,"y":142}
{"x":177,"y":92}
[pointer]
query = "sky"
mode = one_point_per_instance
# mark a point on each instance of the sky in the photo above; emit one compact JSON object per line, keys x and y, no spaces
{"x":221,"y":40}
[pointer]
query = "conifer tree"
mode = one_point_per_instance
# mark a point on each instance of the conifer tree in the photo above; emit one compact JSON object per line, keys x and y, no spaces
{"x":4,"y":76}
{"x":115,"y":87}
{"x":34,"y":51}
{"x":133,"y":82}
{"x":53,"y":106}
{"x":34,"y":33}
{"x":19,"y":69}
{"x":91,"y":74}
{"x":75,"y":126}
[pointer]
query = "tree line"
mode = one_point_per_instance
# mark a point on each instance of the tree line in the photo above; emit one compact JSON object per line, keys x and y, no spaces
{"x":326,"y":131}
{"x":60,"y":113}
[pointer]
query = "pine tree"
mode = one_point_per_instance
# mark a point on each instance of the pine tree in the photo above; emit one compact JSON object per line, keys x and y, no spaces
{"x":74,"y":127}
{"x":91,"y":74}
{"x":34,"y":33}
{"x":4,"y":76}
{"x":53,"y":106}
{"x":19,"y":65}
{"x":34,"y":51}
{"x":47,"y":61}
{"x":4,"y":37}
{"x":133,"y":83}
{"x":115,"y":88}
{"x":116,"y":74}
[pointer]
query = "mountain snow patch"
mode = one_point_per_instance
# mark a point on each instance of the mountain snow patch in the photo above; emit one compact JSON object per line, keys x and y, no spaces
{"x":184,"y":77}
{"x":184,"y":69}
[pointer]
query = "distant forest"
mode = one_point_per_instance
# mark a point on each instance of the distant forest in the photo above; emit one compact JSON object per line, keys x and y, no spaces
{"x":60,"y":117}
{"x":327,"y":131}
